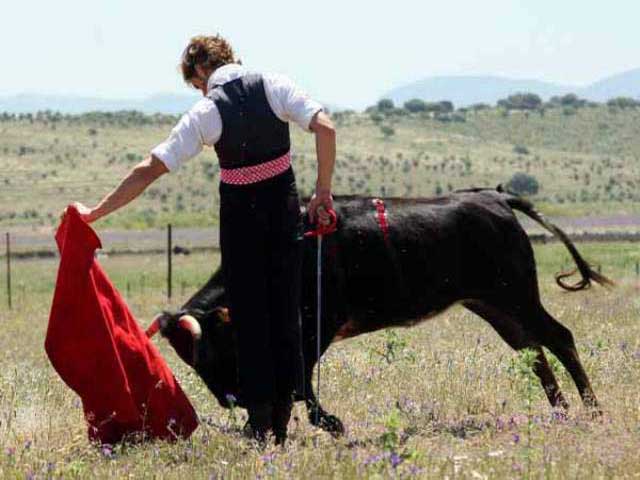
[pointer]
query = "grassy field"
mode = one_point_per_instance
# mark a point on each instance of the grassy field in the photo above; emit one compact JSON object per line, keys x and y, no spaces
{"x":585,"y":163}
{"x":450,"y":400}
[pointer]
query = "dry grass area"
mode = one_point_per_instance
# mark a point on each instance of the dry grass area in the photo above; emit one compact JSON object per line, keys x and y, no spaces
{"x":445,"y":399}
{"x":585,"y":163}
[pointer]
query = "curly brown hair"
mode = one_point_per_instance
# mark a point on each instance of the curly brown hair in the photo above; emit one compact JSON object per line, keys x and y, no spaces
{"x":210,"y":52}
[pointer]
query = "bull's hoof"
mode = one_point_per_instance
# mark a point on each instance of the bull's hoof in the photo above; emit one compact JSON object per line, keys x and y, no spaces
{"x":596,"y":413}
{"x":333,"y":425}
{"x":328,"y":423}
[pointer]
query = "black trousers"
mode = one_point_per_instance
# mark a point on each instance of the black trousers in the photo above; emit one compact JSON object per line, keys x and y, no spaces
{"x":261,"y":245}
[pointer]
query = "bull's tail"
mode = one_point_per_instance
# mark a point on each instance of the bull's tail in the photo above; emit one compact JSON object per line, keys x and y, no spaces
{"x":588,"y":274}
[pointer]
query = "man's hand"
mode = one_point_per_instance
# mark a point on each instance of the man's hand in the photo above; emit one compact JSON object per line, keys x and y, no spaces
{"x":86,"y":213}
{"x":321,"y":202}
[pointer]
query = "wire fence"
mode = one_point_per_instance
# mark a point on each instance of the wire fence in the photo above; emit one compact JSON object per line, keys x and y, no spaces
{"x":141,"y":283}
{"x":19,"y":283}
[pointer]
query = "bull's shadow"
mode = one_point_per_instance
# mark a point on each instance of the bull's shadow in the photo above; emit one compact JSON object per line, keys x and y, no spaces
{"x":397,"y":263}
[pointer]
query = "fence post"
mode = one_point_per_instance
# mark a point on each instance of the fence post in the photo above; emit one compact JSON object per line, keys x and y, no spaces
{"x":8,"y":237}
{"x":169,"y":241}
{"x":637,"y":268}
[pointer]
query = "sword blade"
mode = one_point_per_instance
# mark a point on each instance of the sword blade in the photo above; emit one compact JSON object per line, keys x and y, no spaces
{"x":318,"y":320}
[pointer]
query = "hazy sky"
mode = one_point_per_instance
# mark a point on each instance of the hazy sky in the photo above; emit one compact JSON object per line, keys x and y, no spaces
{"x":342,"y":52}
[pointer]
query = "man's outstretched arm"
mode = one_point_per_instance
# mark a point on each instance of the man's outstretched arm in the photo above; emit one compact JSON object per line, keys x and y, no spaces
{"x":132,"y":185}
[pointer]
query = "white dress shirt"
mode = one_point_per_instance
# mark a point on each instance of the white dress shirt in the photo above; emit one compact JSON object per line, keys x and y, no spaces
{"x":202,"y":124}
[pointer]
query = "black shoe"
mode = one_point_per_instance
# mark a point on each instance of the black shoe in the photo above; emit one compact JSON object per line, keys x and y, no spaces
{"x":280,"y":419}
{"x":260,"y":422}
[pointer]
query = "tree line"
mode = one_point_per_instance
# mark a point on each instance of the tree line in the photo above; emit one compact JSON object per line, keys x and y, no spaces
{"x":120,"y":118}
{"x":518,"y":101}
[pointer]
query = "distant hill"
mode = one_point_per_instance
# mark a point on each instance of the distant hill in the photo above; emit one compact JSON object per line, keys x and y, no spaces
{"x":625,"y":84}
{"x":461,"y":90}
{"x":161,"y":103}
{"x":467,"y":90}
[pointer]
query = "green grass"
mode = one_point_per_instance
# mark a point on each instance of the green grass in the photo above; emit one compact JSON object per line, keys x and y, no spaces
{"x":448,"y":402}
{"x":585,"y":163}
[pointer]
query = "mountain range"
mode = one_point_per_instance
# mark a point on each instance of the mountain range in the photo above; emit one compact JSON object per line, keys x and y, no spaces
{"x":161,"y":103}
{"x":467,"y":90}
{"x":461,"y":90}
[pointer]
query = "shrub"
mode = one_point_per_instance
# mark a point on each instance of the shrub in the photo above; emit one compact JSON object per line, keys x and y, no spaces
{"x":521,"y":101}
{"x":568,"y":100}
{"x":415,"y":105}
{"x":446,"y":106}
{"x":521,"y":150}
{"x":376,"y":117}
{"x":623,"y":102}
{"x":523,"y":184}
{"x":385,"y":104}
{"x":387,"y":131}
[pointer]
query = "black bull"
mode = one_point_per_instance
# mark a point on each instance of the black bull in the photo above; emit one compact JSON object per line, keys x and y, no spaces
{"x":466,"y":247}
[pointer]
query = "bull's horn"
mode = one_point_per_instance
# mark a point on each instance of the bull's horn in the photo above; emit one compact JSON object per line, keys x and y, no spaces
{"x":154,"y":327}
{"x":191,"y":324}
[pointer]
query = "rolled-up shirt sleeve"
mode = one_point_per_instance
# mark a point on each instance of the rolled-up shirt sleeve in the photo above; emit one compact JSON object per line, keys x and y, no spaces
{"x":289,"y":102}
{"x":188,"y":136}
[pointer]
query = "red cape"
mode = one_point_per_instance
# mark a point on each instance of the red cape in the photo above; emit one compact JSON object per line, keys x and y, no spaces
{"x":97,"y":347}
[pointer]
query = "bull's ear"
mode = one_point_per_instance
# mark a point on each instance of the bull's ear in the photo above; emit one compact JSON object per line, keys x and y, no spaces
{"x":223,"y":314}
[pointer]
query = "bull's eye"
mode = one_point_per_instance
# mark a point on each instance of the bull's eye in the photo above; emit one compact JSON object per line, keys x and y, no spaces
{"x":223,"y":315}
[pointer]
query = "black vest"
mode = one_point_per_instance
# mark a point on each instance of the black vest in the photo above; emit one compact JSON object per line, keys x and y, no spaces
{"x":251,"y":132}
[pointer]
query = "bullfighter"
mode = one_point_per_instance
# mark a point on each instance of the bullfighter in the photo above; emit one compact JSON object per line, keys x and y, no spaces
{"x":245,"y":116}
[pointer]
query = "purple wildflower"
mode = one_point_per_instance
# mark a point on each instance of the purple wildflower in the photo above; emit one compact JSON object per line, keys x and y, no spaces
{"x":372,"y":459}
{"x":10,"y":451}
{"x":27,"y":444}
{"x":516,"y":438}
{"x":414,"y":470}
{"x":395,"y":459}
{"x":268,"y":458}
{"x":231,"y":398}
{"x":107,"y":450}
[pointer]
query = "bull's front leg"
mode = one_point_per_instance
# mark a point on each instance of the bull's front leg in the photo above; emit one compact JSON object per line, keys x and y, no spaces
{"x":331,"y":306}
{"x":318,"y":416}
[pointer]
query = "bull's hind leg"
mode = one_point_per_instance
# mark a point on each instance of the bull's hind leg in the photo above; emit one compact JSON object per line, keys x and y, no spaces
{"x":559,"y":339}
{"x":512,"y":332}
